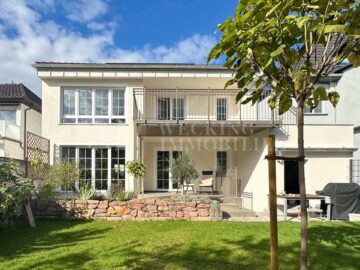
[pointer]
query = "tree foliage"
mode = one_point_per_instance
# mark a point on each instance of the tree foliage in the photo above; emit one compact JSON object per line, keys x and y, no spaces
{"x":14,"y":190}
{"x":287,"y":46}
{"x":284,"y":47}
{"x":62,"y":174}
{"x":183,"y":169}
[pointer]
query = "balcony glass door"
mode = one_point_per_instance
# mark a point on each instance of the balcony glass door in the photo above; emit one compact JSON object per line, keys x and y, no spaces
{"x":163,"y":109}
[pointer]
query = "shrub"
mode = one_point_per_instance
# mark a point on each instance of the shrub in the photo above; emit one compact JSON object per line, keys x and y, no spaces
{"x":183,"y":169}
{"x":14,"y":190}
{"x":85,"y":192}
{"x":63,"y":174}
{"x":117,"y":193}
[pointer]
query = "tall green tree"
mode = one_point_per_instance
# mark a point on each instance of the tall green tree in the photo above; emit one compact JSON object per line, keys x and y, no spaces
{"x":286,"y":46}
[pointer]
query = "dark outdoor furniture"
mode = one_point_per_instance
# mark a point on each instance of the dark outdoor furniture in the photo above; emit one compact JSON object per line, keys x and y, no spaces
{"x":345,"y":199}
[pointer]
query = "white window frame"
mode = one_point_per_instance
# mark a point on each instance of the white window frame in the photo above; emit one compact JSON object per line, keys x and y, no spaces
{"x":171,"y":107}
{"x":226,"y":108}
{"x":93,"y":162}
{"x":93,"y":116}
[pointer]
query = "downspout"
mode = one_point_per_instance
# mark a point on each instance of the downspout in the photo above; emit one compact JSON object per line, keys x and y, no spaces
{"x":25,"y":143}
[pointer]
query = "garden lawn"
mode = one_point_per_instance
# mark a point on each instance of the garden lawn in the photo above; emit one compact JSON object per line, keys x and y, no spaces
{"x":65,"y":244}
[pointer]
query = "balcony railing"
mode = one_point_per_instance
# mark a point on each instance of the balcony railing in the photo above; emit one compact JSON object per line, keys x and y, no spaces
{"x":9,"y":131}
{"x":190,"y":105}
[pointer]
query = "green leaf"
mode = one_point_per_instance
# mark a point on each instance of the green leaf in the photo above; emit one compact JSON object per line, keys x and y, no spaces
{"x":229,"y":83}
{"x":336,"y":28}
{"x":320,"y":93}
{"x":241,"y":94}
{"x":247,"y":100}
{"x":278,"y":51}
{"x":300,"y":23}
{"x":285,"y":103}
{"x":272,"y":102}
{"x":334,"y":98}
{"x":354,"y":59}
{"x":214,"y":53}
{"x":271,"y":11}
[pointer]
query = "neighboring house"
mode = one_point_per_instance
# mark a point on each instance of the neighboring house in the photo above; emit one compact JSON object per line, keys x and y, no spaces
{"x":102,"y":115}
{"x":20,"y":111}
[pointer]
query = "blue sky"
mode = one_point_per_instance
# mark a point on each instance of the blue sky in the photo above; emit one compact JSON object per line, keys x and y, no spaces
{"x":105,"y":31}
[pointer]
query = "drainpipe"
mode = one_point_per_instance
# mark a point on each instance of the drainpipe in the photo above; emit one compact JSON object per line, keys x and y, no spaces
{"x":25,"y":143}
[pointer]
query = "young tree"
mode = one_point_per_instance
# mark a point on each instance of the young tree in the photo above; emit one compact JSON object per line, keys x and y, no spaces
{"x":64,"y":174}
{"x":183,"y":169}
{"x":286,"y":46}
{"x":138,"y":170}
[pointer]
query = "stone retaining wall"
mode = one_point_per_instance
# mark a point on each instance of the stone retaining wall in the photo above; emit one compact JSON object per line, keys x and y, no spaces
{"x":138,"y":209}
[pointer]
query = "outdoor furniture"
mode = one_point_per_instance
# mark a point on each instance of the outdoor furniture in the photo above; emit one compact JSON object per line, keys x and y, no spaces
{"x":206,"y":185}
{"x":344,"y":198}
{"x":296,"y":197}
{"x":186,"y":186}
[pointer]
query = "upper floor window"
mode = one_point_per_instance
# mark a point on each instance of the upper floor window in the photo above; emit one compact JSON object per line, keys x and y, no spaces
{"x":8,"y":116}
{"x":221,"y":109}
{"x":89,"y":106}
{"x":170,"y":108}
{"x":318,"y":109}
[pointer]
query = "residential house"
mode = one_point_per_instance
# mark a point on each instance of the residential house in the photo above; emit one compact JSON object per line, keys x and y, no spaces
{"x":20,"y":111}
{"x":102,"y":115}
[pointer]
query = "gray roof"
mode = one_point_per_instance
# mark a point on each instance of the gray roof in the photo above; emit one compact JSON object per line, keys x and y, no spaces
{"x":129,"y":66}
{"x":11,"y":93}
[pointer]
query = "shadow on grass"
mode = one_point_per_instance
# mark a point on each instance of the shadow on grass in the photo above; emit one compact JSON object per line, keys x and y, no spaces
{"x":49,"y":235}
{"x":331,"y":246}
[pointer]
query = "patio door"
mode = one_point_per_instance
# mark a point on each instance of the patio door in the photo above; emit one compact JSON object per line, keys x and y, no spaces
{"x":164,"y":180}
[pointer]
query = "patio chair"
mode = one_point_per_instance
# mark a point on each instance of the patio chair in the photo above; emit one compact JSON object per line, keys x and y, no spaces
{"x":206,"y":185}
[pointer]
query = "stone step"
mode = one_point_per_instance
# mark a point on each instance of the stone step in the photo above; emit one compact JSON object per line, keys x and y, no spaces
{"x":231,"y":211}
{"x":236,"y":200}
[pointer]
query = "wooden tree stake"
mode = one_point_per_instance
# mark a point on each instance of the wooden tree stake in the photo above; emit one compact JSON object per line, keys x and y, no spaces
{"x":273,"y":204}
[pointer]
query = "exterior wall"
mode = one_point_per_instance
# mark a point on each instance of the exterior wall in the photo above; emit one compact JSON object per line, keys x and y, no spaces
{"x":15,"y":148}
{"x":348,"y":110}
{"x":87,"y":134}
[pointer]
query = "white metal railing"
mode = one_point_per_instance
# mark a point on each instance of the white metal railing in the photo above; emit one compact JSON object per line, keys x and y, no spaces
{"x":198,"y":105}
{"x":9,"y":131}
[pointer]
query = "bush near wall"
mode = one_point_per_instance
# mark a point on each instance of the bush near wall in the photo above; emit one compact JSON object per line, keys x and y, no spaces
{"x":138,"y":209}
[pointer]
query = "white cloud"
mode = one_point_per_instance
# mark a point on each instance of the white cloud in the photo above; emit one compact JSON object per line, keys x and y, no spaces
{"x":26,"y":37}
{"x":84,"y":10}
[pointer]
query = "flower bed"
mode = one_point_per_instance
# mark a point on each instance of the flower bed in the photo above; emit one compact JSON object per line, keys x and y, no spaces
{"x":138,"y":209}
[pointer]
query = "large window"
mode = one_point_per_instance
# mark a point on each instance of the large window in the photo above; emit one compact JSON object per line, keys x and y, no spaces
{"x":85,"y":166}
{"x":8,"y":116}
{"x":170,"y":108}
{"x":93,"y":106}
{"x":118,"y":166}
{"x":99,"y":167}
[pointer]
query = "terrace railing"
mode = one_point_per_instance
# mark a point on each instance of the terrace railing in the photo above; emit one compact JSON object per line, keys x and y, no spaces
{"x":198,"y":105}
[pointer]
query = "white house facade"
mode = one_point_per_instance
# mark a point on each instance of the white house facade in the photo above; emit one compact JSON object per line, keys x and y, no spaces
{"x":102,"y":115}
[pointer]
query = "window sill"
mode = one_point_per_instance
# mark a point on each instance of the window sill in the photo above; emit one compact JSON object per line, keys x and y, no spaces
{"x":93,"y":124}
{"x":315,"y":114}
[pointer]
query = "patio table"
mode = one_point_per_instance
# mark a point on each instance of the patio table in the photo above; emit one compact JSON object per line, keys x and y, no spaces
{"x":296,"y":197}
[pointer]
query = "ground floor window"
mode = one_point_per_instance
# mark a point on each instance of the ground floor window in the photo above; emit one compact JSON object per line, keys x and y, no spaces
{"x":100,"y":167}
{"x":164,"y":159}
{"x":221,"y":162}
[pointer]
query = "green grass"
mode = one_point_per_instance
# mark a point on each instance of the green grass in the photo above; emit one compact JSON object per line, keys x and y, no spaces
{"x":61,"y":244}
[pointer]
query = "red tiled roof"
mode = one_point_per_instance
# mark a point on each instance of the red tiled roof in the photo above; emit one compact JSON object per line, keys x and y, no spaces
{"x":19,"y":93}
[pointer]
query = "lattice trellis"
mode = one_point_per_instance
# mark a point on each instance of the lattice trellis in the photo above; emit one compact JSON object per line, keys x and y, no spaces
{"x":37,"y":147}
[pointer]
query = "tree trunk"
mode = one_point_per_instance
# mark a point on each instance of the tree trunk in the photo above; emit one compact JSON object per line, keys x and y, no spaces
{"x":303,"y":206}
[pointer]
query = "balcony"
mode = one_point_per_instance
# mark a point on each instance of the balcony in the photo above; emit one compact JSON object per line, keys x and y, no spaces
{"x":200,"y":108}
{"x":9,"y":131}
